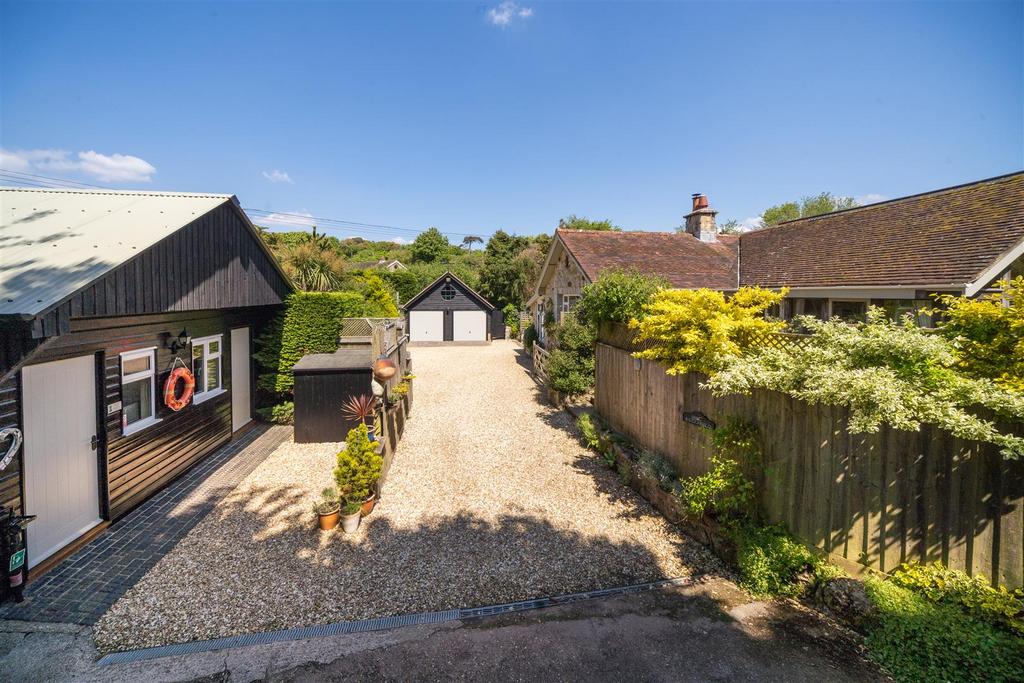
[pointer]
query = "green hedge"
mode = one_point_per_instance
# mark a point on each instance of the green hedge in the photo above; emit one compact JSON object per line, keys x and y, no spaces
{"x":310,"y":323}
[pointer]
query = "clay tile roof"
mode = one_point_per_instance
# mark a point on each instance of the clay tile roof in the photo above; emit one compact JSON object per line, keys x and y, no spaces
{"x":681,"y":259}
{"x":945,"y":237}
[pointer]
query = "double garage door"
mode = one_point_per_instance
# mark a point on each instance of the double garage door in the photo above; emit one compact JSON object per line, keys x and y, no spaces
{"x":427,"y":326}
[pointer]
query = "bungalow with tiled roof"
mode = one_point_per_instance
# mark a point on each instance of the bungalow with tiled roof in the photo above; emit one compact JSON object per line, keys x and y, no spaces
{"x":895,"y":254}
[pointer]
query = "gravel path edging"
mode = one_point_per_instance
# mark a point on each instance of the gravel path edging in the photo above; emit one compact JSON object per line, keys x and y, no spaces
{"x":379,"y":624}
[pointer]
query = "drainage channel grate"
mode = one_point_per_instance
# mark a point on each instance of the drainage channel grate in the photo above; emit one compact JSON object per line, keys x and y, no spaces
{"x":379,"y":624}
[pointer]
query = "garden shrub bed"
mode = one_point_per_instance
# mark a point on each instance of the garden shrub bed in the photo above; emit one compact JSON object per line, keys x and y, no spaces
{"x":924,"y":623}
{"x":706,"y":530}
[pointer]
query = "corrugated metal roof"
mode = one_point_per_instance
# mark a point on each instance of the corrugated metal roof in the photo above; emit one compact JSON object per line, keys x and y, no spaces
{"x":54,"y":242}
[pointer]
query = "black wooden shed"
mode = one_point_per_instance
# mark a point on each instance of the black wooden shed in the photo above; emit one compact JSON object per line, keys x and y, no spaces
{"x":449,"y":311}
{"x":104,"y":294}
{"x":323,"y":383}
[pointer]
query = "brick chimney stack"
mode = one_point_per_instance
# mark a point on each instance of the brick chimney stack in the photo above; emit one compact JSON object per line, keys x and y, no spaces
{"x":701,"y":221}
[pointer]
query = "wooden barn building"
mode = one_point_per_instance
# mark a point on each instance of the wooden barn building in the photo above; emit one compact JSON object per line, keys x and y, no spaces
{"x":103,"y":294}
{"x":449,"y":311}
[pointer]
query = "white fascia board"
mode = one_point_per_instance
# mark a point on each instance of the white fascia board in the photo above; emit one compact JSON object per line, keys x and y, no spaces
{"x":544,"y":278}
{"x":995,"y":271}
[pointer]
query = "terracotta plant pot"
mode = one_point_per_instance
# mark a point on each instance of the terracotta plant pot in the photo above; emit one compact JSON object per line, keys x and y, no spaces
{"x":330,"y":520}
{"x":368,"y":505}
{"x":383,"y":369}
{"x":350,"y":523}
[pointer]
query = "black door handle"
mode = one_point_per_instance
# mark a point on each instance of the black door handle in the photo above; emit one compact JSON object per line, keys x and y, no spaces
{"x":94,"y":442}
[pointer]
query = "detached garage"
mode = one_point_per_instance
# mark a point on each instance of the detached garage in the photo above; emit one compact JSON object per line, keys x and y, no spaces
{"x":449,"y":311}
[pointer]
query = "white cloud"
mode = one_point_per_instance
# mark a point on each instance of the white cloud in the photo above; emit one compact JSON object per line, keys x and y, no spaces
{"x":752,"y":223}
{"x":298,"y":219}
{"x":116,"y":167}
{"x":277,"y":176}
{"x":37,"y":159}
{"x":401,"y":240}
{"x":871,"y":198}
{"x":107,"y":168}
{"x":508,"y":11}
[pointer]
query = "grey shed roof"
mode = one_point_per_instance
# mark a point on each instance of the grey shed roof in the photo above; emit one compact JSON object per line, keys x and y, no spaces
{"x":342,"y":359}
{"x":54,"y":242}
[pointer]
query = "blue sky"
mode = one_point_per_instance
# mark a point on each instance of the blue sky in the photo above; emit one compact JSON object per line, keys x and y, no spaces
{"x":478,"y":116}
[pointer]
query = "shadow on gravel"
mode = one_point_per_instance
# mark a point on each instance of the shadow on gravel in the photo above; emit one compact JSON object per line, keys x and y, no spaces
{"x":466,"y":561}
{"x":607,"y":481}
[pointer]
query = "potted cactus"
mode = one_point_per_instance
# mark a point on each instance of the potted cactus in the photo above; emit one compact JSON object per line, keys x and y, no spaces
{"x":328,"y":509}
{"x":358,"y":469}
{"x":362,"y":408}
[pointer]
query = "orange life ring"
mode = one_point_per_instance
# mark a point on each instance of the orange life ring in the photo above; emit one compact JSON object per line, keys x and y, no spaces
{"x":171,"y":398}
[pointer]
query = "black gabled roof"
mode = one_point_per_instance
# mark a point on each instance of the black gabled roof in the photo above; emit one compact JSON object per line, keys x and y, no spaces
{"x":447,"y":274}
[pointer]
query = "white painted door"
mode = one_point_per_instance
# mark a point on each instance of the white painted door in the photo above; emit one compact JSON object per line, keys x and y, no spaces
{"x":426,"y":326}
{"x":241,"y":404}
{"x":61,"y":464}
{"x":470,"y":326}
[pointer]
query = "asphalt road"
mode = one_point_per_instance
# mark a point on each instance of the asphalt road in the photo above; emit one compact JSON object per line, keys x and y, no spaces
{"x":707,"y":631}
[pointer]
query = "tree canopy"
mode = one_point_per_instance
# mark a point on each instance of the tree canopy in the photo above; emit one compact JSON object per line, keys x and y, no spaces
{"x":574,"y":222}
{"x":815,"y":205}
{"x":430,"y":245}
{"x":505,"y":275}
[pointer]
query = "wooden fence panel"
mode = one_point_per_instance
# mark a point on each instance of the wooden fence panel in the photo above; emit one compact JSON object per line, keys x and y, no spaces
{"x":867,"y":499}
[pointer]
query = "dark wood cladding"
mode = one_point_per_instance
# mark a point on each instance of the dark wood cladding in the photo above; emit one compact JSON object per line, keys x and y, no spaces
{"x":16,"y":342}
{"x":215,"y":262}
{"x":463,"y":300}
{"x":319,"y":396}
{"x":497,"y":320}
{"x":138,"y":465}
{"x":10,"y":416}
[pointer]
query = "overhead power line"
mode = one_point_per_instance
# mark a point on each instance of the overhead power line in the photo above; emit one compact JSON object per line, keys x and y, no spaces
{"x":281,"y":217}
{"x":21,"y":175}
{"x":320,"y":220}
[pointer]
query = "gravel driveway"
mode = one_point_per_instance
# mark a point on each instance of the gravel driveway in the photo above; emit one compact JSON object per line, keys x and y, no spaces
{"x":490,"y":499}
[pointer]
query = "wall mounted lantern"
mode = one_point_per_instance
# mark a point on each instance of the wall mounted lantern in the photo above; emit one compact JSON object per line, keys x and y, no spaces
{"x":180,"y":342}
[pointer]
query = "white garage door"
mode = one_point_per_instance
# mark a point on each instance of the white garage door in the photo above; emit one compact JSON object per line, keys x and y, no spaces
{"x":426,"y":326}
{"x":470,"y":326}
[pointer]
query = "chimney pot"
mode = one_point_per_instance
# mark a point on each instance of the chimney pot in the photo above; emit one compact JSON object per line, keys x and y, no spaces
{"x":701,"y":221}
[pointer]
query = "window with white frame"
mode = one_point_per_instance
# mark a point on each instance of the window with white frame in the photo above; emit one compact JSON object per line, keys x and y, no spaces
{"x":138,"y":389}
{"x":206,"y":366}
{"x":568,"y":302}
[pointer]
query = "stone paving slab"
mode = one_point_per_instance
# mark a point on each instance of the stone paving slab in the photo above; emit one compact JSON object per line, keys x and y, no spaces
{"x":84,"y":586}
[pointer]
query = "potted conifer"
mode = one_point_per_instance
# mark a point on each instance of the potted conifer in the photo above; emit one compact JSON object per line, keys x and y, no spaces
{"x":358,"y":469}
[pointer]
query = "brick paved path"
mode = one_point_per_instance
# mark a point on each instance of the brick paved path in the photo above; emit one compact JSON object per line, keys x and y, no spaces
{"x":85,"y":585}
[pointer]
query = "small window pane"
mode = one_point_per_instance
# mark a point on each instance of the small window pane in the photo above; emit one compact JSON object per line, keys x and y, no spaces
{"x":849,"y":311}
{"x":132,"y":365}
{"x":137,"y":400}
{"x":212,"y":374}
{"x":197,"y":368}
{"x":448,"y":292}
{"x":214,"y":347}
